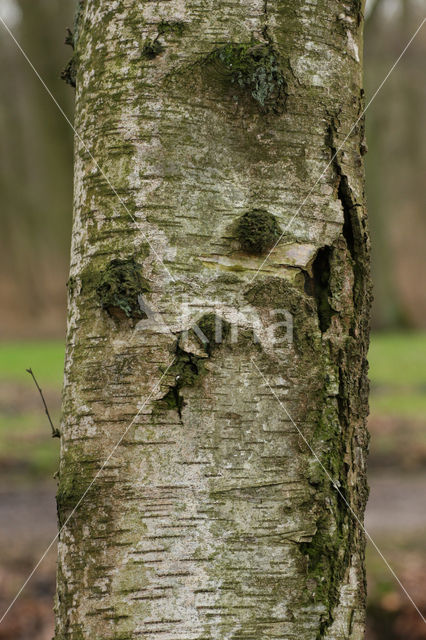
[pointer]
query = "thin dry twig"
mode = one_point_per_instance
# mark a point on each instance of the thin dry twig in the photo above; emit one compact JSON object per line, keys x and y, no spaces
{"x":55,"y":432}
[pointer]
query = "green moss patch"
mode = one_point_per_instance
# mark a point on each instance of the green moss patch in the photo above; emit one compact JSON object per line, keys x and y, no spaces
{"x":169,"y":28}
{"x":253,"y":67}
{"x":214,"y":330}
{"x":118,"y":287}
{"x":325,"y":557}
{"x":186,"y":369}
{"x":75,"y":476}
{"x":152,"y":48}
{"x":258,"y":231}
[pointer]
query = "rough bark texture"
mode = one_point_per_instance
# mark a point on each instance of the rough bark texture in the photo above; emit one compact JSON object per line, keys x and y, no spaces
{"x":213,"y":120}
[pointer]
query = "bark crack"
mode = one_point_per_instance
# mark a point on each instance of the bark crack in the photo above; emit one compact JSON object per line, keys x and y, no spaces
{"x":354,"y":228}
{"x":189,"y":367}
{"x":318,"y":286}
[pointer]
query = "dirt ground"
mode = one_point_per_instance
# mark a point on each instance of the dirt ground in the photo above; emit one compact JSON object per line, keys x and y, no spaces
{"x":28,"y":525}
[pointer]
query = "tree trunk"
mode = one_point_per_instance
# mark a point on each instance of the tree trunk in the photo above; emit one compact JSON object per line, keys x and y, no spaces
{"x":204,"y":129}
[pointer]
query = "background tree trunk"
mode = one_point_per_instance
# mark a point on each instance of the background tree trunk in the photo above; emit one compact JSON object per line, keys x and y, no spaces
{"x":213,"y":519}
{"x":35,"y":151}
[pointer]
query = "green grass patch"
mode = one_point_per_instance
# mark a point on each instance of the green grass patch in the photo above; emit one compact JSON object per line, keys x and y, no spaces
{"x":408,"y":404}
{"x":26,"y":446}
{"x":27,"y":451}
{"x":45,"y":358}
{"x":398,"y":359}
{"x":398,"y":374}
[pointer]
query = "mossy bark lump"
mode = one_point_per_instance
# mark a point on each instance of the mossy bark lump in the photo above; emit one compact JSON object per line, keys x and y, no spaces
{"x":213,"y":513}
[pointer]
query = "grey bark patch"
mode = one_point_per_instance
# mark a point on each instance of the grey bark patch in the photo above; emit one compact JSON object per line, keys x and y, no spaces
{"x":258,"y":231}
{"x":194,"y":528}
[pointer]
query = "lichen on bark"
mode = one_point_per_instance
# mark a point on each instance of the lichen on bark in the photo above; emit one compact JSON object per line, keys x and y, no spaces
{"x":118,"y":287}
{"x":213,"y":518}
{"x":253,"y":67}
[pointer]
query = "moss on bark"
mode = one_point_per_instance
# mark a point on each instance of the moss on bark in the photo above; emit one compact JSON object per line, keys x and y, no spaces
{"x":253,"y":67}
{"x":118,"y":288}
{"x":258,"y":231}
{"x":215,"y":522}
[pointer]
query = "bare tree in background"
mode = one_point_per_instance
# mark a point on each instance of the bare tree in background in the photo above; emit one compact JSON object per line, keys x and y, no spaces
{"x":35,"y":171}
{"x":396,"y":163}
{"x":210,"y":188}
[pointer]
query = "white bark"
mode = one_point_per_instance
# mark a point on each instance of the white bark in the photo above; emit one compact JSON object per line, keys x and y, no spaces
{"x":213,"y":519}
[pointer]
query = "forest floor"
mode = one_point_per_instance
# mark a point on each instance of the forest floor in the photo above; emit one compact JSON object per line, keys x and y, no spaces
{"x":395,"y":519}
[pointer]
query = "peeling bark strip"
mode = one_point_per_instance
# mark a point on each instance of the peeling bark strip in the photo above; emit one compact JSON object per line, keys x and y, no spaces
{"x":213,"y":520}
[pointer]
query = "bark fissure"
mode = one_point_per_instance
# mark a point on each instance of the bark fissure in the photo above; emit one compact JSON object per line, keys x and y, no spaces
{"x":265,"y":31}
{"x":321,"y":286}
{"x":186,"y":370}
{"x":354,"y":228}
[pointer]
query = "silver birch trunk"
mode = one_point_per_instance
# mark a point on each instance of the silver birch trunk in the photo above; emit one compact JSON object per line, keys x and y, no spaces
{"x":206,"y":128}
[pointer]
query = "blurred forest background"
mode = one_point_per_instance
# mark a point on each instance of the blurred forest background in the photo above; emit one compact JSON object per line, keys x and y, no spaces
{"x":35,"y":212}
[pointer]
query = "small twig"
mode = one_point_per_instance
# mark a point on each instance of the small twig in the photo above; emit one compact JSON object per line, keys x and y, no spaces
{"x":55,"y":432}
